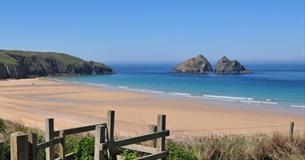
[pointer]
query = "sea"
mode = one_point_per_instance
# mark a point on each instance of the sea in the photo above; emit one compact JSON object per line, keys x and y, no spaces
{"x":271,"y":84}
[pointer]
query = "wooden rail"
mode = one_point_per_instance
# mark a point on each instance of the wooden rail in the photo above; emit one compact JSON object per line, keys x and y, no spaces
{"x":50,"y":143}
{"x":24,"y":146}
{"x":75,"y":130}
{"x":107,"y":146}
{"x":1,"y":150}
{"x":139,"y":139}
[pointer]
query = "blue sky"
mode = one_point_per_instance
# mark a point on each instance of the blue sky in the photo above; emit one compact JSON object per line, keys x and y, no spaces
{"x":157,"y":30}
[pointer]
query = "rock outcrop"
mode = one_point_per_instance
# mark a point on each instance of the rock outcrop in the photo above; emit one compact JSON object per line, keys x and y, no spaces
{"x":198,"y":64}
{"x":25,"y":64}
{"x":227,"y":66}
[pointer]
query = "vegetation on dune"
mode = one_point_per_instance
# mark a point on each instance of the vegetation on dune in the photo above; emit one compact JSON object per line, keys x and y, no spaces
{"x":276,"y":146}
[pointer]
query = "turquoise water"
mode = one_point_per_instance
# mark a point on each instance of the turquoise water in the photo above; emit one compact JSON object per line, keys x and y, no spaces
{"x":271,"y":84}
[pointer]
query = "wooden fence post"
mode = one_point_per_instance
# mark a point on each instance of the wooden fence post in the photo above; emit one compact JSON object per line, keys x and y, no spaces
{"x":49,"y":135}
{"x":1,"y":150}
{"x":62,"y":154}
{"x":161,"y":127}
{"x":99,"y":152}
{"x":152,"y":129}
{"x":291,"y":127}
{"x":32,"y":139}
{"x":110,"y":125}
{"x":19,"y":146}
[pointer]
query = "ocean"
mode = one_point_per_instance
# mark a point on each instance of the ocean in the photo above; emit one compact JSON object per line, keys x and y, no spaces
{"x":281,"y":84}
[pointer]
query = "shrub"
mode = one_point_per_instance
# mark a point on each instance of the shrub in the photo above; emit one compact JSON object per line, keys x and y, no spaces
{"x":178,"y":152}
{"x":2,"y":126}
{"x":85,"y":148}
{"x":129,"y":155}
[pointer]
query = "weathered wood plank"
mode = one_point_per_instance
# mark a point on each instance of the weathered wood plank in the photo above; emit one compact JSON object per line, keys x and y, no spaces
{"x":49,"y":143}
{"x":155,"y":156}
{"x":33,"y":145}
{"x":19,"y":146}
{"x":62,"y":145}
{"x":291,"y":127}
{"x":152,"y":129}
{"x":49,"y":135}
{"x":161,"y":127}
{"x":111,"y":119}
{"x":140,"y":148}
{"x":1,"y":150}
{"x":99,"y":151}
{"x":139,"y":139}
{"x":76,"y":130}
{"x":69,"y":156}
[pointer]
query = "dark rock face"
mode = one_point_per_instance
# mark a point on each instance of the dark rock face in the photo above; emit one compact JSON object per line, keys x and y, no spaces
{"x":227,"y":66}
{"x":198,"y":64}
{"x":25,"y":64}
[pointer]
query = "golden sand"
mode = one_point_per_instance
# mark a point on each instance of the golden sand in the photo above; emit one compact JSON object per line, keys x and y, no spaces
{"x":31,"y":101}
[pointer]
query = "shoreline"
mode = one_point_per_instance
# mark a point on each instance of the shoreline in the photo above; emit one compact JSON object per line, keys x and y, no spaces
{"x":32,"y":100}
{"x":207,"y":96}
{"x":227,"y":101}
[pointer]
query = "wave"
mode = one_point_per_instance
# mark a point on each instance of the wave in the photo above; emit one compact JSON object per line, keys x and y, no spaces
{"x":258,"y":102}
{"x":227,"y":97}
{"x":297,"y":106}
{"x":123,"y":87}
{"x":157,"y":92}
{"x":180,"y":94}
{"x":247,"y":100}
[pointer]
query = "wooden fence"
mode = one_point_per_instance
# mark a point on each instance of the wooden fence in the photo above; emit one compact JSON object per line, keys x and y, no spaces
{"x":24,"y":146}
{"x":1,"y":150}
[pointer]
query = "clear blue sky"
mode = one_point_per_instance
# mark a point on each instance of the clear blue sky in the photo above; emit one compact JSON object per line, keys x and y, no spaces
{"x":156,"y":30}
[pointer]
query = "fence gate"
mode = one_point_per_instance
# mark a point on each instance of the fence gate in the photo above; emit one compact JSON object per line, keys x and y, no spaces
{"x":26,"y":146}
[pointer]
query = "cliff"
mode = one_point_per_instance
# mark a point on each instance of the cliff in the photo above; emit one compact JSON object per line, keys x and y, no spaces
{"x":26,"y":64}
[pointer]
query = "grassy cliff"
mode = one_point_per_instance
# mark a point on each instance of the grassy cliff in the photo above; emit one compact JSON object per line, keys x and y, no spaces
{"x":25,"y":64}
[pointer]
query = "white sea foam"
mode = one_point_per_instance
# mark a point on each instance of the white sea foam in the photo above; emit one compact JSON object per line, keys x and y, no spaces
{"x":297,"y":106}
{"x":179,"y":94}
{"x":226,"y":97}
{"x":139,"y":90}
{"x":157,"y":92}
{"x":190,"y":96}
{"x":258,"y":102}
{"x":123,"y":87}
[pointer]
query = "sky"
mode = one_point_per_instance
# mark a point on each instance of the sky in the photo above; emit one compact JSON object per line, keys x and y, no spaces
{"x":157,"y":31}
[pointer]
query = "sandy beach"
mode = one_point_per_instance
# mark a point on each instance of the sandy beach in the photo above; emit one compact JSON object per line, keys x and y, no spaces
{"x":31,"y":101}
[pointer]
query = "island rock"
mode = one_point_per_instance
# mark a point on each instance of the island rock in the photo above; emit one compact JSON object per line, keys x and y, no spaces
{"x":198,"y":64}
{"x":227,"y":66}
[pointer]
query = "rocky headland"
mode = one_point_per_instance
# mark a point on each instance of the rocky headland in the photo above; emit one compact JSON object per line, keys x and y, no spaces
{"x":27,"y":64}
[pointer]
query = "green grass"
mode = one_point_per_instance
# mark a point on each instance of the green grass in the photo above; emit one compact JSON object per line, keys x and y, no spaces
{"x":65,"y":58}
{"x":275,"y":146}
{"x":6,"y":59}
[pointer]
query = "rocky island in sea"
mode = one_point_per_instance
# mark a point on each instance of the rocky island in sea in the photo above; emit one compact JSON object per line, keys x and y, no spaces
{"x":227,"y":66}
{"x":198,"y":64}
{"x":26,"y":64}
